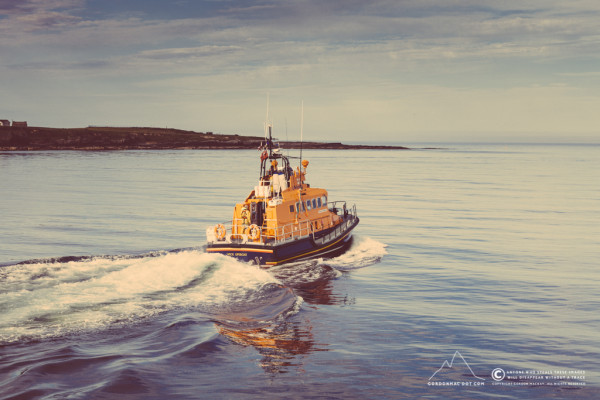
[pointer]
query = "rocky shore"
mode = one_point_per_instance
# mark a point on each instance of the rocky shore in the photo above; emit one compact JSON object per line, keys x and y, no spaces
{"x":111,"y":138}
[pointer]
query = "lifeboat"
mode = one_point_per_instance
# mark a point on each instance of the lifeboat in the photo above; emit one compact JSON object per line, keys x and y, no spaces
{"x":283,"y":219}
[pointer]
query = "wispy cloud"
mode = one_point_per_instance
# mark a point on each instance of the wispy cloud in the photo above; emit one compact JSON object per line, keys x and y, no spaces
{"x":188,"y":52}
{"x":408,"y":24}
{"x":36,"y":15}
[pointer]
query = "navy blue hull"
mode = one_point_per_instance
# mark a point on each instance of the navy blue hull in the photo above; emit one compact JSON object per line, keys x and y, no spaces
{"x":295,"y":250}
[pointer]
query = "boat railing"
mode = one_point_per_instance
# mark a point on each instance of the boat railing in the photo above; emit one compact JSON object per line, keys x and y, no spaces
{"x":237,"y":232}
{"x":273,"y":234}
{"x":342,"y":211}
{"x":348,"y":217}
{"x":294,"y":230}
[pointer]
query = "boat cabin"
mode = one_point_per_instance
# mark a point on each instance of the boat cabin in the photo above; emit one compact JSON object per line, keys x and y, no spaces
{"x":281,"y":206}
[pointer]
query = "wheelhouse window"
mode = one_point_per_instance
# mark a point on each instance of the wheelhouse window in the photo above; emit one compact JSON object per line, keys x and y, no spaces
{"x":308,"y":205}
{"x":319,"y":204}
{"x":291,"y":208}
{"x":314,"y":203}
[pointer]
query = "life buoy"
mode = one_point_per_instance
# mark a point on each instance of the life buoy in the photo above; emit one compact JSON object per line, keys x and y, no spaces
{"x":254,"y":232}
{"x":220,"y":231}
{"x":264,"y":156}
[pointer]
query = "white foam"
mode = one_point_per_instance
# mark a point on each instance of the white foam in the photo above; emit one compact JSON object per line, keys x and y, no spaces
{"x":49,"y":299}
{"x":364,"y":251}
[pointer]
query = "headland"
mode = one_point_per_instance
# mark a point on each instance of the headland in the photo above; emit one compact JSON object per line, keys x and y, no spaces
{"x":138,"y":138}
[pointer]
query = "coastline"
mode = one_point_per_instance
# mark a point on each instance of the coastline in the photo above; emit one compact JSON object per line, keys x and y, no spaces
{"x":146,"y":138}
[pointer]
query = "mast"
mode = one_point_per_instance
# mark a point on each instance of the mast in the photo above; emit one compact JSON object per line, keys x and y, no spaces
{"x":270,"y":142}
{"x":268,"y":127}
{"x":267,"y":117}
{"x":301,"y":129}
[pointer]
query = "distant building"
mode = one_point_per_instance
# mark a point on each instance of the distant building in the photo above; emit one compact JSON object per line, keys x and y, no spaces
{"x":19,"y":124}
{"x":4,"y":122}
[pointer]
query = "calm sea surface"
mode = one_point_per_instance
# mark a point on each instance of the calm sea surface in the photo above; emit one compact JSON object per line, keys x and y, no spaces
{"x":474,"y":273}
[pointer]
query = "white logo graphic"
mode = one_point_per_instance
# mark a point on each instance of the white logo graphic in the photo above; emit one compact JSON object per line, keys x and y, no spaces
{"x":498,"y":374}
{"x":447,"y":364}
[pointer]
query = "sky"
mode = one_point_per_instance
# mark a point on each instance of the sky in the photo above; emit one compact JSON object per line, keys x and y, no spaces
{"x":380,"y":70}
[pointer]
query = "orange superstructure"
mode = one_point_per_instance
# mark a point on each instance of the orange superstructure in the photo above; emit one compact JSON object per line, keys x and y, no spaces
{"x":296,"y":210}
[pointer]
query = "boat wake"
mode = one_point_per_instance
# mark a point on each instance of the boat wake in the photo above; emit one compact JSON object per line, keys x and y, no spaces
{"x":48,"y":299}
{"x":57,"y":297}
{"x":363,"y":252}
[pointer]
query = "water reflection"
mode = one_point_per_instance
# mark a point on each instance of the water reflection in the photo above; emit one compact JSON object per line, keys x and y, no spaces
{"x":281,"y":341}
{"x":313,"y":281}
{"x":279,"y":345}
{"x":323,"y":294}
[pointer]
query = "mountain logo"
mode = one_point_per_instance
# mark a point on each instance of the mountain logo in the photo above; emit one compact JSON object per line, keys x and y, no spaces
{"x":455,"y":366}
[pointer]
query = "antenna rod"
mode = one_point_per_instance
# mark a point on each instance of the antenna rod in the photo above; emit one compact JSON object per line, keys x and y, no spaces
{"x":301,"y":130}
{"x":287,"y":139}
{"x":270,"y":142}
{"x":267,"y":117}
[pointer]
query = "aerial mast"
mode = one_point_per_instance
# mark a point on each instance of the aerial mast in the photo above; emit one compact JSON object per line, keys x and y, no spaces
{"x":267,"y":117}
{"x":268,"y":126}
{"x":301,"y":128}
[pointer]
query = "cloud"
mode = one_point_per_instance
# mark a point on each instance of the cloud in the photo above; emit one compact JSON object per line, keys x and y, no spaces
{"x":414,"y":28}
{"x":46,"y":20}
{"x":32,"y":15}
{"x":189,"y":52}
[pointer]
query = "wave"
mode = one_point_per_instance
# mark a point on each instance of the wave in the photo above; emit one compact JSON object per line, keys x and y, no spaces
{"x":69,"y":295}
{"x":364,"y":251}
{"x":47,"y":299}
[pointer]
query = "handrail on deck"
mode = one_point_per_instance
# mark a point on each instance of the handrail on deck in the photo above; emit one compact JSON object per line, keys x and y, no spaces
{"x":287,"y":232}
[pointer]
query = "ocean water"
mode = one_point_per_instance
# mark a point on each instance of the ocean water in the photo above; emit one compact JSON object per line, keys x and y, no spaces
{"x":473,"y":274}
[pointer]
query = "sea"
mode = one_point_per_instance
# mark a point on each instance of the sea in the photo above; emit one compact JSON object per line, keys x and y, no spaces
{"x":474,"y":273}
